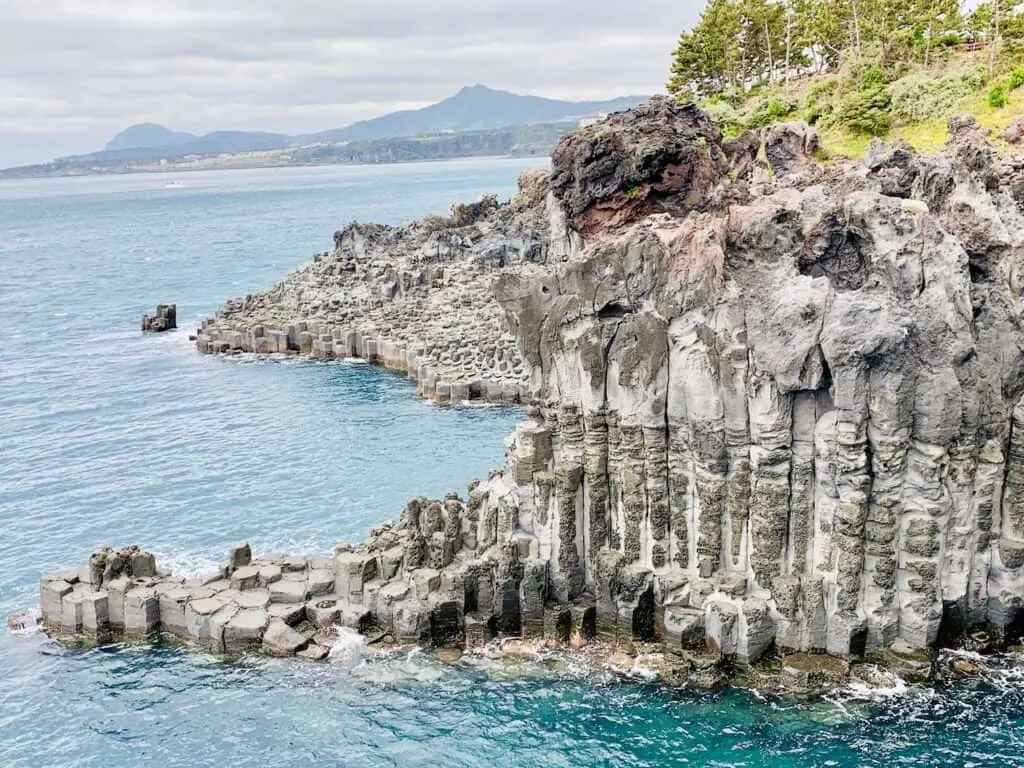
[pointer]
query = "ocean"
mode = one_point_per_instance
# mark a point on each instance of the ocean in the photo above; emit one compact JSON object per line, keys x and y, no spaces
{"x":109,"y":437}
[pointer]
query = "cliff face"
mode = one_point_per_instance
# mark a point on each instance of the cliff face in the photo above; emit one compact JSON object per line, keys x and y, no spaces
{"x":789,"y":401}
{"x":772,"y":401}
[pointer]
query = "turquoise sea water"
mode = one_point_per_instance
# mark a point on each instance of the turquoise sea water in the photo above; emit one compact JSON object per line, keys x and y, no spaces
{"x":109,"y":437}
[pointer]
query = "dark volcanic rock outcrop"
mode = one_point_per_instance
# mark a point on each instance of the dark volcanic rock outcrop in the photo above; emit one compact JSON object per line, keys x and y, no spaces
{"x":657,"y":157}
{"x":771,"y":407}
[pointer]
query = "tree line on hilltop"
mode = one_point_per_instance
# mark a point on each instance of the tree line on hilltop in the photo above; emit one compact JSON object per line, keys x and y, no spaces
{"x":741,"y":49}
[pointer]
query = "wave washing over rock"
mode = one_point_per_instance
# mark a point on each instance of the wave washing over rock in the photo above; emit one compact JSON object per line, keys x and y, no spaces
{"x":774,"y":405}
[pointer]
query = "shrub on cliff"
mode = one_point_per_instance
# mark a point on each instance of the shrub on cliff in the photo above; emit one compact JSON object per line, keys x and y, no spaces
{"x":772,"y":109}
{"x":915,"y":97}
{"x":819,"y":106}
{"x":723,"y":113}
{"x":997,"y":97}
{"x":866,"y":112}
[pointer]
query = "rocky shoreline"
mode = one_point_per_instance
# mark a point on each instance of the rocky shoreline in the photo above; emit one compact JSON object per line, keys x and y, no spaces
{"x":415,"y":299}
{"x":774,"y":413}
{"x":284,"y":606}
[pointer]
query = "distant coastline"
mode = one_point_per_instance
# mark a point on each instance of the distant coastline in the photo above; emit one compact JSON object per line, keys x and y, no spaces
{"x":476,"y":122}
{"x":518,"y":141}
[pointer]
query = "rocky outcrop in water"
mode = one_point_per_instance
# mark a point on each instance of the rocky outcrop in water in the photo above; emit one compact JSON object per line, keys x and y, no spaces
{"x":775,"y":404}
{"x":165,"y":319}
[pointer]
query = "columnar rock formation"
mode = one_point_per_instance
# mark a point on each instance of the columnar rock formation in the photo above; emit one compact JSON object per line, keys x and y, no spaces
{"x":165,"y":319}
{"x":773,"y":401}
{"x":416,"y":299}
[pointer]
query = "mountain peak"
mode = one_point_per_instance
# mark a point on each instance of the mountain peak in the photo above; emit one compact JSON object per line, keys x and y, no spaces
{"x":476,"y":91}
{"x":147,"y":135}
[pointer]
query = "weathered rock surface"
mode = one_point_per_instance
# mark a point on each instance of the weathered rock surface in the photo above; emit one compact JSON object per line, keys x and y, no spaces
{"x":769,"y":408}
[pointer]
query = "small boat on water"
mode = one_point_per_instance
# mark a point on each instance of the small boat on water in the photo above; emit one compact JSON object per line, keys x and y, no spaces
{"x":174,"y":185}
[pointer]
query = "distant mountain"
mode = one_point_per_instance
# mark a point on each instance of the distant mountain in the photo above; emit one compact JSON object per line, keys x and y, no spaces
{"x":216,"y":143}
{"x":147,"y":135}
{"x":474,"y":108}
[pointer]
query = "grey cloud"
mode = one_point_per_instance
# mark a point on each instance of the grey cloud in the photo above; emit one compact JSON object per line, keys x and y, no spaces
{"x":72,"y":72}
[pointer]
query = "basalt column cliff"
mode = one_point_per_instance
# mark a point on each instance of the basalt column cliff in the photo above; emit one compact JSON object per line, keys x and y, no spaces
{"x":771,"y":401}
{"x":783,"y":406}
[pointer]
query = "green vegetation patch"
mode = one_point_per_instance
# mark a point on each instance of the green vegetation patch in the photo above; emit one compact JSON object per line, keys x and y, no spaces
{"x":893,"y":68}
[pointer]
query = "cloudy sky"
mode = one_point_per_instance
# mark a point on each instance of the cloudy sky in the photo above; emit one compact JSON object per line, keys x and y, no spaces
{"x":74,"y":72}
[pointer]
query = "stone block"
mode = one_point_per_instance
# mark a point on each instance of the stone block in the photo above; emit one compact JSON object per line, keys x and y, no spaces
{"x":842,"y":633}
{"x":211,"y":577}
{"x":446,"y":624}
{"x":218,"y":625}
{"x":281,"y":640}
{"x":478,"y":633}
{"x":246,"y":577}
{"x":172,"y":611}
{"x":288,"y":591}
{"x":198,"y":614}
{"x":244,"y":631}
{"x":533,"y":591}
{"x":323,"y":612}
{"x":71,"y":613}
{"x":757,"y":630}
{"x":141,"y":612}
{"x":355,"y":617}
{"x":391,"y":562}
{"x":116,"y":589}
{"x":51,"y":592}
{"x":314,"y":652}
{"x":558,"y":623}
{"x":143,"y":565}
{"x":721,"y":621}
{"x":351,"y":571}
{"x":320,"y":563}
{"x":294,"y":564}
{"x":683,"y":627}
{"x":408,"y":622}
{"x":252,"y":599}
{"x":95,"y":614}
{"x":268,"y":574}
{"x":391,"y":593}
{"x":584,"y":621}
{"x":532,"y":450}
{"x":290,"y":613}
{"x":320,"y":582}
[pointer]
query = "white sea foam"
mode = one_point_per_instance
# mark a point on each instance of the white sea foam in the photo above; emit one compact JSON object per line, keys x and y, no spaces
{"x":348,"y":648}
{"x":26,"y":622}
{"x":187,"y":565}
{"x":892,"y":687}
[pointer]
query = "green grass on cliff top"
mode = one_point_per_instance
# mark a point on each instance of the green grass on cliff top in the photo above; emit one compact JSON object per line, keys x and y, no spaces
{"x":925,"y":136}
